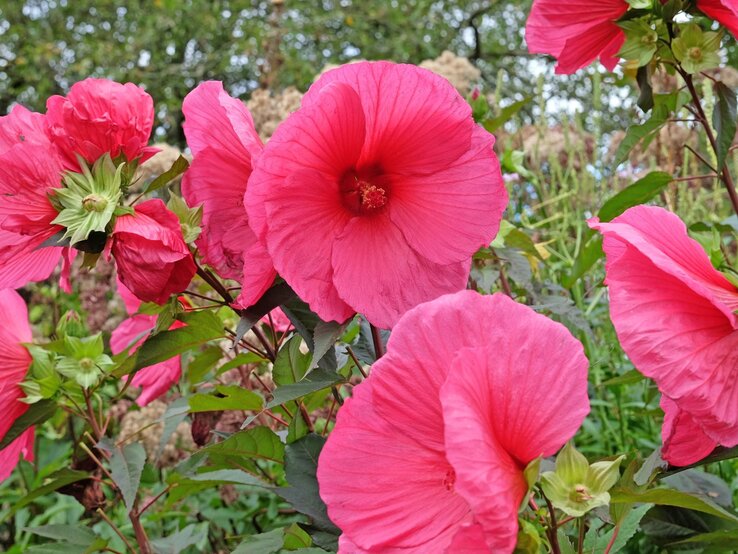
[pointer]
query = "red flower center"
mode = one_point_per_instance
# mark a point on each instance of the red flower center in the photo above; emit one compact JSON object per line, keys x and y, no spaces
{"x":365,"y":192}
{"x":450,"y":479}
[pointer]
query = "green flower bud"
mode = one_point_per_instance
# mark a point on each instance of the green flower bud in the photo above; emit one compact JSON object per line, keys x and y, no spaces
{"x":87,"y":202}
{"x":42,"y":380}
{"x":577,"y":487}
{"x":71,"y":325}
{"x":641,"y":41}
{"x":695,"y":49}
{"x":85,"y":361}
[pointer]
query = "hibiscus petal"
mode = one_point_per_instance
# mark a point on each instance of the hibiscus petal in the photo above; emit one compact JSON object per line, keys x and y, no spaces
{"x":304,"y":219}
{"x":446,"y":215}
{"x":723,"y":11}
{"x":258,"y":272}
{"x":673,"y":313}
{"x":684,"y":440}
{"x":22,"y":125}
{"x":325,"y":139}
{"x":11,"y":454}
{"x":416,"y":123}
{"x":384,"y":488}
{"x":378,"y":274}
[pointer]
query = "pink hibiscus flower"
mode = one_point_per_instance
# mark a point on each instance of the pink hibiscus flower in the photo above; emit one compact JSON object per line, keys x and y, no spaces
{"x":674,"y":314}
{"x":224,"y":143}
{"x":29,"y":171}
{"x":100,"y":116}
{"x":15,"y":363}
{"x":684,"y":441}
{"x":151,"y":255}
{"x":494,"y":386}
{"x":724,"y":12}
{"x":374,"y":195}
{"x":576,"y":32}
{"x":155,"y":380}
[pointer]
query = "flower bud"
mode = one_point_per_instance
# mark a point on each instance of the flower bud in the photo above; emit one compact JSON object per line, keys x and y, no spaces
{"x":577,"y":486}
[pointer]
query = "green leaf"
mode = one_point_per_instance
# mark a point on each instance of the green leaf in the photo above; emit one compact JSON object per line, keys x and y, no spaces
{"x":202,"y":363}
{"x":226,"y":397}
{"x":192,"y":535}
{"x":275,"y":296}
{"x":179,"y":166}
{"x":297,"y":429}
{"x":295,"y":538}
{"x":594,"y":542}
{"x":291,"y":365}
{"x":670,"y":497}
{"x":726,"y":538}
{"x":316,"y":380}
{"x":586,"y":258}
{"x":506,"y":114}
{"x":325,"y":336}
{"x":301,"y":464}
{"x":725,"y":120}
{"x":305,"y":322}
{"x":56,"y":481}
{"x":263,"y":543}
{"x":126,"y":465}
{"x":638,"y":193}
{"x":628,"y":378}
{"x":258,"y":443}
{"x":36,"y":414}
{"x":72,"y":534}
{"x":201,"y":327}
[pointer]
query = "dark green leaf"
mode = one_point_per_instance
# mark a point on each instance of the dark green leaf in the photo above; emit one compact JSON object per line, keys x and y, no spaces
{"x":645,"y":99}
{"x":325,"y":336}
{"x":72,"y":534}
{"x":725,"y":120}
{"x":126,"y":465}
{"x":226,"y":397}
{"x":670,"y":497}
{"x":36,"y":414}
{"x":301,"y":464}
{"x":202,"y":363}
{"x":178,"y":542}
{"x":305,"y":322}
{"x":179,"y":166}
{"x":274,"y":297}
{"x":316,"y":380}
{"x":201,"y":327}
{"x":56,"y":481}
{"x":628,"y":378}
{"x":638,"y":193}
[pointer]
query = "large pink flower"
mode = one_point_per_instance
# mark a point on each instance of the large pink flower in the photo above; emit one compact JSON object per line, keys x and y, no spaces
{"x":29,"y":171}
{"x":100,"y":116}
{"x":491,"y":385}
{"x":724,"y":12}
{"x":155,"y":380}
{"x":151,"y":255}
{"x":674,"y":314}
{"x":374,"y":195}
{"x":576,"y":32}
{"x":684,"y":441}
{"x":224,"y":143}
{"x":14,"y":363}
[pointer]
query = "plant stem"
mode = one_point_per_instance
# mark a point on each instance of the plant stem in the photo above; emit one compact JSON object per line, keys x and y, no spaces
{"x":610,"y":544}
{"x":723,"y":172}
{"x":553,"y":528}
{"x":582,"y":528}
{"x":377,"y":339}
{"x":118,"y":532}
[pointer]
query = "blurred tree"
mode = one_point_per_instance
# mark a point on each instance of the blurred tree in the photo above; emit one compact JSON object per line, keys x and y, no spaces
{"x":168,"y":46}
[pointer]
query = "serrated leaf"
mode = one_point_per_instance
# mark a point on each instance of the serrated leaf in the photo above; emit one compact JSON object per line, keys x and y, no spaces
{"x":325,"y":336}
{"x":226,"y":397}
{"x":276,"y":296}
{"x":179,"y":166}
{"x":301,"y":465}
{"x":126,"y":465}
{"x":200,"y":327}
{"x":595,"y":542}
{"x":72,"y":534}
{"x":725,"y":120}
{"x":316,"y":380}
